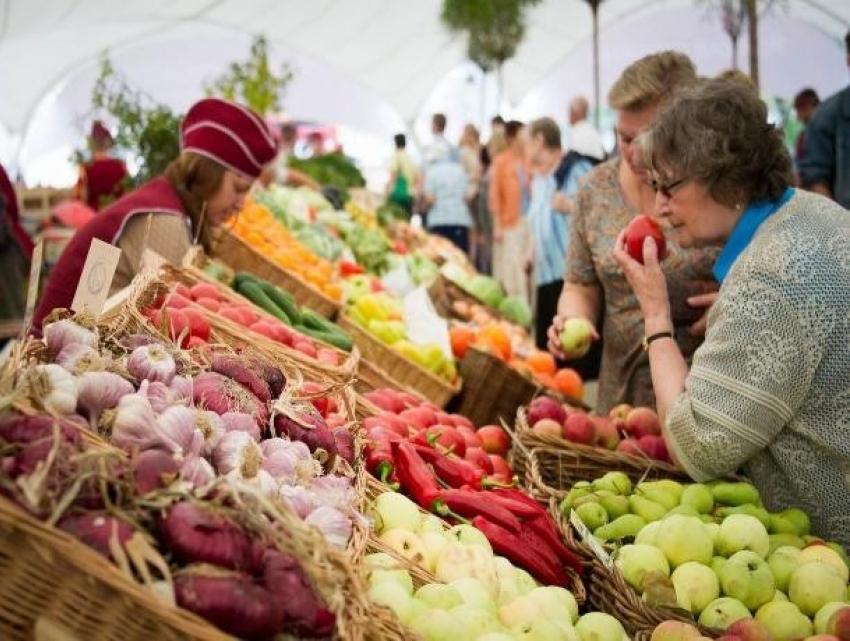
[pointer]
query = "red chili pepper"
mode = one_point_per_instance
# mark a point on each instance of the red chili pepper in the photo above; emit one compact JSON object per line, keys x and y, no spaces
{"x":471,"y":504}
{"x":546,"y":530}
{"x":454,"y":472}
{"x":415,"y":475}
{"x":516,"y":549}
{"x":519,"y":509}
{"x":348,"y":268}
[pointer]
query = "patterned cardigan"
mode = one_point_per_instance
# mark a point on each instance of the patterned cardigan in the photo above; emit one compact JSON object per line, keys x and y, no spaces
{"x":769,"y":389}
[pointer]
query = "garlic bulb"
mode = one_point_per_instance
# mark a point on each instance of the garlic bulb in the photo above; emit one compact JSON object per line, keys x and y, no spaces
{"x":197,"y":470}
{"x":98,"y":391}
{"x":62,"y":333}
{"x":182,"y":387}
{"x":152,"y":363}
{"x":78,"y":358}
{"x":297,"y":498}
{"x":212,"y":428}
{"x":162,"y":397}
{"x":178,"y":424}
{"x":287,"y":461}
{"x":55,"y":387}
{"x":332,"y":523}
{"x":238,"y":451}
{"x":241,"y":422}
{"x":263,"y":481}
{"x":134,"y":426}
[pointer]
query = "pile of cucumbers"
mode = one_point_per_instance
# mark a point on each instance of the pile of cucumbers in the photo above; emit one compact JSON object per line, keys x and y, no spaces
{"x":280,"y":304}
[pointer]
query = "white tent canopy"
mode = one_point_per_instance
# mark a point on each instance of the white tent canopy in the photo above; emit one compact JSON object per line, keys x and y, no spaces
{"x":373,"y":65}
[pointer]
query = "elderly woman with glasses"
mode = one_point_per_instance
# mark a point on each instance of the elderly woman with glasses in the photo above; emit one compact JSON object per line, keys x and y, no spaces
{"x":769,"y":390}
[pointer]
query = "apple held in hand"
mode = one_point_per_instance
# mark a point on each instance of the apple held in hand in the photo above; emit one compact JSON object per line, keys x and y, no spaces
{"x":637,"y":231}
{"x":576,"y":337}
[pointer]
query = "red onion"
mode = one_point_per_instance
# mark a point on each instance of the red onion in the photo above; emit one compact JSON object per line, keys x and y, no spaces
{"x":344,"y":440}
{"x":97,"y":530}
{"x":236,"y":368}
{"x":310,"y":429}
{"x":154,"y":469}
{"x":26,"y":429}
{"x":221,"y":394}
{"x":306,"y":615}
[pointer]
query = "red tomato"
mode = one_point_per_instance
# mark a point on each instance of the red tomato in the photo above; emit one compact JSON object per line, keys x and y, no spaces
{"x":205,"y":290}
{"x":198,"y":323}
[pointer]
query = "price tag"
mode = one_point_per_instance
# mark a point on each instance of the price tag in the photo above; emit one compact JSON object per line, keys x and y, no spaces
{"x":587,"y":536}
{"x":32,"y":289}
{"x":96,"y":279}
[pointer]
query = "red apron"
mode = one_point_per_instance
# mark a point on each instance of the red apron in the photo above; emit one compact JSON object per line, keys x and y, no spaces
{"x":157,"y":196}
{"x":7,"y":192}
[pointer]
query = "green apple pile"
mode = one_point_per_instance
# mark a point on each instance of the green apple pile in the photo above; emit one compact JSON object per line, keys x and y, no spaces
{"x":482,"y":596}
{"x":713,"y":549}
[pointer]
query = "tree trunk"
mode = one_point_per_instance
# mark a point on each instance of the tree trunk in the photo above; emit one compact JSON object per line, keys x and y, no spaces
{"x":594,"y":8}
{"x":752,"y":22}
{"x":734,"y":52}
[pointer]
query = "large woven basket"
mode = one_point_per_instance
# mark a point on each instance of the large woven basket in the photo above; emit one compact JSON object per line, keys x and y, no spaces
{"x":493,"y":391}
{"x":444,"y":294}
{"x":240,"y":256}
{"x":550,"y":466}
{"x":397,"y":367}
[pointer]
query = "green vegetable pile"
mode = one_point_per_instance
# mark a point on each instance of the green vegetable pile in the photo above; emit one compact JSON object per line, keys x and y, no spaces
{"x":334,"y":170}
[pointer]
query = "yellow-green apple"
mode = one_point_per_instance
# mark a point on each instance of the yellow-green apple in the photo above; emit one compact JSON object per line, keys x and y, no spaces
{"x":813,"y":585}
{"x":433,"y":543}
{"x":459,"y":561}
{"x":438,"y":595}
{"x":784,"y":620}
{"x":468,"y":535}
{"x":556,"y":603}
{"x":748,"y":578}
{"x":520,"y":611}
{"x":825,"y":614}
{"x":597,"y":626}
{"x":675,"y":631}
{"x":395,"y":511}
{"x":782,"y":564}
{"x":723,"y":612}
{"x":826,"y":555}
{"x":542,"y":630}
{"x":576,"y":337}
{"x":698,"y":582}
{"x":476,"y":621}
{"x":407,"y":544}
{"x":649,"y":534}
{"x":749,"y":630}
{"x":475,"y":592}
{"x":620,"y":412}
{"x":436,"y":625}
{"x":636,"y":560}
{"x":683,"y":539}
{"x":494,"y":439}
{"x":742,"y":532}
{"x":431,"y":523}
{"x":508,"y":584}
{"x":391,"y":596}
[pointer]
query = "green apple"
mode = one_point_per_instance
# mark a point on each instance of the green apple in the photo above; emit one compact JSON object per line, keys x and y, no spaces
{"x":649,"y":533}
{"x":577,"y":491}
{"x":392,"y":510}
{"x":813,"y":585}
{"x":397,"y":600}
{"x":779,"y":595}
{"x":784,"y":621}
{"x":540,"y":630}
{"x":508,"y":588}
{"x":576,"y":337}
{"x":742,"y":532}
{"x":496,"y":636}
{"x":717,"y":563}
{"x":615,"y":505}
{"x":598,"y":626}
{"x":646,"y":509}
{"x":556,"y":603}
{"x":790,"y":521}
{"x":380,"y":560}
{"x":713,"y":530}
{"x":593,"y":515}
{"x":520,"y":611}
{"x":664,"y":497}
{"x":747,"y":577}
{"x":476,"y":621}
{"x":698,"y":582}
{"x":434,"y":544}
{"x":458,"y":561}
{"x":780,"y":540}
{"x":475,"y":592}
{"x":439,"y":596}
{"x":699,"y":497}
{"x":823,"y":615}
{"x":636,"y":560}
{"x":431,"y":523}
{"x":826,"y":555}
{"x":468,"y":535}
{"x":782,"y":564}
{"x":436,"y":625}
{"x":406,"y":543}
{"x":400,"y":577}
{"x":418,"y":607}
{"x":723,"y":612}
{"x":525,"y":582}
{"x":683,"y":539}
{"x":614,"y":482}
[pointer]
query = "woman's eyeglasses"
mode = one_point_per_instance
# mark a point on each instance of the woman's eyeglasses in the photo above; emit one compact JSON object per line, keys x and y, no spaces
{"x":666,"y":189}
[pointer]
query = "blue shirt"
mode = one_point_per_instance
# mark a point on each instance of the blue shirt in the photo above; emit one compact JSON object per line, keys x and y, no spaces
{"x":745,"y":229}
{"x":549,"y":229}
{"x":446,"y":181}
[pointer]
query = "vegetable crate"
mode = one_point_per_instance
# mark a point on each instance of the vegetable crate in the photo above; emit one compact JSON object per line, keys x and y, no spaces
{"x":445,"y":294}
{"x":240,"y":256}
{"x":397,"y":367}
{"x":551,"y":465}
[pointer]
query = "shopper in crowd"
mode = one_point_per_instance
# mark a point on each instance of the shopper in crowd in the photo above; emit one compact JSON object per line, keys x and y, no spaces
{"x":825,"y":165}
{"x":585,"y":151}
{"x":15,"y":253}
{"x":508,"y":199}
{"x":736,"y":75}
{"x":438,"y":135}
{"x":549,"y":229}
{"x":280,"y":171}
{"x":224,"y":148}
{"x":497,"y":130}
{"x":403,"y":184}
{"x":767,"y":391}
{"x":805,"y":104}
{"x":444,"y":194}
{"x":611,"y":196}
{"x":469,"y":151}
{"x":103,"y":178}
{"x":484,"y":218}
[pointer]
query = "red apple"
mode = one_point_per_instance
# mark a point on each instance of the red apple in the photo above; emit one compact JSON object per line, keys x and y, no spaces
{"x":419,"y":417}
{"x":642,"y":421}
{"x":547,"y":427}
{"x":578,"y":428}
{"x":545,"y":407}
{"x":839,"y":624}
{"x":479,"y":459}
{"x":469,"y":437}
{"x":749,"y":630}
{"x":654,"y":446}
{"x":607,"y":435}
{"x":637,"y":230}
{"x":500,"y":466}
{"x":631,"y":446}
{"x":494,"y":440}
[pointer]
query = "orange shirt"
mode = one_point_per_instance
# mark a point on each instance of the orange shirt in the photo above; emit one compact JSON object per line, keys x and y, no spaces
{"x":505,"y":197}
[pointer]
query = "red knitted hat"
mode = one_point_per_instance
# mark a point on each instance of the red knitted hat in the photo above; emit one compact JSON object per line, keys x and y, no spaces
{"x":230,"y":134}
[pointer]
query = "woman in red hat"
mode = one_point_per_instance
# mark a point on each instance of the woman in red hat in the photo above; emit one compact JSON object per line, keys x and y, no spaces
{"x":224,"y":148}
{"x":103,"y":178}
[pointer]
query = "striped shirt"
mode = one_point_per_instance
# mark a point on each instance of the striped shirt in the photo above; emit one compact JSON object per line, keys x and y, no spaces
{"x":550,"y":231}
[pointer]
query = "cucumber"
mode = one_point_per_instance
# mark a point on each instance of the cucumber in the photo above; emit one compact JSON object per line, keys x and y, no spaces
{"x":337,"y":339}
{"x":243,"y":277}
{"x":282,"y":299}
{"x":310,"y":318}
{"x":256,"y":295}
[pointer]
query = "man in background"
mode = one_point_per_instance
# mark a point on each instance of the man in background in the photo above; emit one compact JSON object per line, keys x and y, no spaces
{"x":584,"y":151}
{"x":805,"y":104}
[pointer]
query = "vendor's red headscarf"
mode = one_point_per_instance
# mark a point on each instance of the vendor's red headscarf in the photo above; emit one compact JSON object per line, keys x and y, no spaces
{"x":230,"y":134}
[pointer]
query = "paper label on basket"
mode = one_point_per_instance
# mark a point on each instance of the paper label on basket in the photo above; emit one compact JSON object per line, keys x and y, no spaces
{"x":591,"y":541}
{"x":422,"y":322}
{"x":96,"y":279}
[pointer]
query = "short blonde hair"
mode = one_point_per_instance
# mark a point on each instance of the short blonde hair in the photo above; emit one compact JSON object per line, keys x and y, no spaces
{"x":651,"y":81}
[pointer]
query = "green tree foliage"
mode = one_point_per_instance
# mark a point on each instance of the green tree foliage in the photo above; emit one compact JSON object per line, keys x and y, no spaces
{"x":494,"y":28}
{"x":253,"y":82}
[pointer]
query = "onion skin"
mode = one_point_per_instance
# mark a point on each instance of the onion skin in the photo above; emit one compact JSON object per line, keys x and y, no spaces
{"x":235,"y":604}
{"x":344,"y":440}
{"x":221,"y":395}
{"x":273,"y":377}
{"x":26,"y":429}
{"x":236,"y":368}
{"x":154,"y":469}
{"x":96,"y":529}
{"x":306,"y":615}
{"x":197,"y":535}
{"x":312,"y":431}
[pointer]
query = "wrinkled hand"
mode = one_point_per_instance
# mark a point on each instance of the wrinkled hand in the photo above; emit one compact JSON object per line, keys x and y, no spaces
{"x":553,"y":334}
{"x":703,"y":301}
{"x":647,"y":282}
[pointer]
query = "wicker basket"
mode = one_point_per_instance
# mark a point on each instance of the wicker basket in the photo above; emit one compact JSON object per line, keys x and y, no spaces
{"x":240,"y":256}
{"x":493,"y":391}
{"x":397,"y":367}
{"x":444,"y":294}
{"x":551,"y":465}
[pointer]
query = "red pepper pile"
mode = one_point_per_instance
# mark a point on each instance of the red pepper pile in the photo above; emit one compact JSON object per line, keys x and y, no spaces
{"x":517,"y":527}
